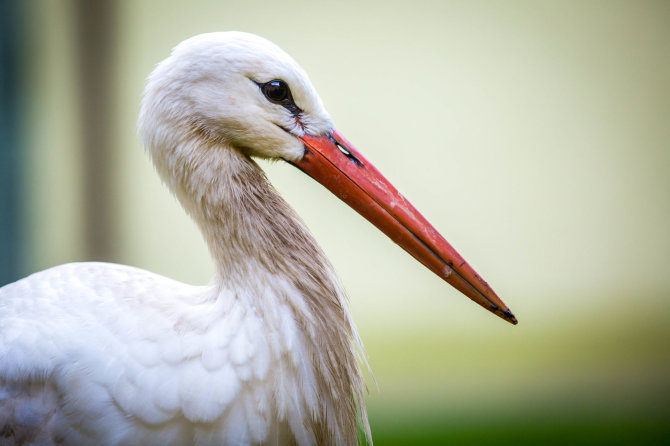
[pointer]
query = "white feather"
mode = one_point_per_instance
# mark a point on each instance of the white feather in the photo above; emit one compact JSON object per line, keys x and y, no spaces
{"x":104,"y":354}
{"x":101,"y":360}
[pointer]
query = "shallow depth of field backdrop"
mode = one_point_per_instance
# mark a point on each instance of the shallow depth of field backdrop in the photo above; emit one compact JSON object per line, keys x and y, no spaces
{"x":534,"y":135}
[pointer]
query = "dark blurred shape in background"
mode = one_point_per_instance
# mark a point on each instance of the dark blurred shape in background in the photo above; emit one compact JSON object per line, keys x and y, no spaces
{"x":10,"y":154}
{"x":95,"y":43}
{"x":93,"y":40}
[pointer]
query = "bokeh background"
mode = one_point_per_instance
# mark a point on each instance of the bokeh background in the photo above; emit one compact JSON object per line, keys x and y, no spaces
{"x":534,"y":135}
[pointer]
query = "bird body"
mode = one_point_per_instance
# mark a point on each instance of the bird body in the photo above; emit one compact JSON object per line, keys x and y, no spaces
{"x":266,"y":353}
{"x":121,"y":354}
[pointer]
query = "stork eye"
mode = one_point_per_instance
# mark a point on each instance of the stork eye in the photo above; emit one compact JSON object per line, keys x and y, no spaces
{"x":277,"y":91}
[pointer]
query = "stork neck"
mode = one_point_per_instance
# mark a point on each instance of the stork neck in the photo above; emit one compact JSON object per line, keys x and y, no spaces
{"x":254,"y":237}
{"x":246,"y":224}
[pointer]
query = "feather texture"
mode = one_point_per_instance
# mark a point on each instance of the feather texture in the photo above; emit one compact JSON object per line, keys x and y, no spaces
{"x":104,"y":354}
{"x":117,"y":353}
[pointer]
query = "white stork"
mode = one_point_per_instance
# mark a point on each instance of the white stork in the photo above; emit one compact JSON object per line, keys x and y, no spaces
{"x":104,"y":354}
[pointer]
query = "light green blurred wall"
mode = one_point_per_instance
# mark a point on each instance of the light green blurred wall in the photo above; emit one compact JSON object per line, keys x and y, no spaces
{"x":534,"y":135}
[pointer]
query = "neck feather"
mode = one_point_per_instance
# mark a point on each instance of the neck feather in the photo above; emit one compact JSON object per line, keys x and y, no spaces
{"x":250,"y":228}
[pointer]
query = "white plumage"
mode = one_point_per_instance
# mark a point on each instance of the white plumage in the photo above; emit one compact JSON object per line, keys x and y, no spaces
{"x":130,"y":357}
{"x":103,"y":354}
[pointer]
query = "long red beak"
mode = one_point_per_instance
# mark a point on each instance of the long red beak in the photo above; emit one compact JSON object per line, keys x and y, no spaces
{"x":332,"y":161}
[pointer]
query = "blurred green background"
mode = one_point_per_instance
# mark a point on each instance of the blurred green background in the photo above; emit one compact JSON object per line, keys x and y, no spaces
{"x":534,"y":135}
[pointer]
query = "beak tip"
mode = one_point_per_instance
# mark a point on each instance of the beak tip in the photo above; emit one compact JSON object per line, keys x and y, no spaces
{"x":509,"y":316}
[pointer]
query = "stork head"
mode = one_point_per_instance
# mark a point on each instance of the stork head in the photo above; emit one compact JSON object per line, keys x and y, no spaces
{"x":242,"y":92}
{"x":233,"y":88}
